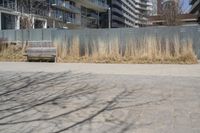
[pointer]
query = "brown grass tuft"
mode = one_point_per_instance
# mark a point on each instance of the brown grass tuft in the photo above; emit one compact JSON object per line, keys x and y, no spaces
{"x":149,"y":49}
{"x":11,"y":52}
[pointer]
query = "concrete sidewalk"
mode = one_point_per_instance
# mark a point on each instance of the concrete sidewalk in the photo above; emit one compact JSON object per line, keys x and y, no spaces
{"x":122,"y":69}
{"x":99,"y":98}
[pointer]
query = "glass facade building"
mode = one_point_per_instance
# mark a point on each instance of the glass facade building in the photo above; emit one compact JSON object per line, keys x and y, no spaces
{"x":129,"y":13}
{"x":16,"y":14}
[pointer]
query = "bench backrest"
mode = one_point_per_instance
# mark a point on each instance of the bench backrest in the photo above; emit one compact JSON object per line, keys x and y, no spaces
{"x":43,"y":44}
{"x":40,"y":49}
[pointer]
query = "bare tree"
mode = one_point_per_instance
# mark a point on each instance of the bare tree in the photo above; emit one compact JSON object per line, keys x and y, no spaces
{"x":28,"y":8}
{"x":172,"y":11}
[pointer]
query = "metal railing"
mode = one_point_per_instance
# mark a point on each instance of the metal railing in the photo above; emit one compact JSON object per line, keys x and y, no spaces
{"x":99,"y":3}
{"x":66,"y":6}
{"x":9,"y":5}
{"x":43,"y":12}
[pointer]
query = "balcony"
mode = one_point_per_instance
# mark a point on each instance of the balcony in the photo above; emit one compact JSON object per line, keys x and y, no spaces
{"x":64,"y":18}
{"x":9,"y":6}
{"x":116,"y":10}
{"x":93,"y":4}
{"x":70,"y":20}
{"x":144,"y":3}
{"x":66,"y":7}
{"x":143,"y":8}
{"x":118,"y":18}
{"x":14,"y":9}
{"x":92,"y":15}
{"x":39,"y":12}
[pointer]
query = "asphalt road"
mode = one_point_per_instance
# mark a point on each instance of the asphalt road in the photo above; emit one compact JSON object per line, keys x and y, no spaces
{"x":99,"y":98}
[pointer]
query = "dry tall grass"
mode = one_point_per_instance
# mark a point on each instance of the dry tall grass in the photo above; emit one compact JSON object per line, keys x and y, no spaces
{"x":11,"y":52}
{"x":149,"y":49}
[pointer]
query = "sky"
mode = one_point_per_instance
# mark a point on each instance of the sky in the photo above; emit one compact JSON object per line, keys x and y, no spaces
{"x":186,"y":6}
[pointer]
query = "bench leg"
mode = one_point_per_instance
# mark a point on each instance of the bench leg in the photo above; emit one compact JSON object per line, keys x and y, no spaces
{"x":28,"y":59}
{"x":55,"y":59}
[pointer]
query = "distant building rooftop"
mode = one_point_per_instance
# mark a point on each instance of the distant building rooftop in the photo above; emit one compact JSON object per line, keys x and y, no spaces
{"x":184,"y":19}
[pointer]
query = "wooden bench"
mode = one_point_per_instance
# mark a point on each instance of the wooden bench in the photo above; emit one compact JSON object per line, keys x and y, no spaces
{"x":41,"y":51}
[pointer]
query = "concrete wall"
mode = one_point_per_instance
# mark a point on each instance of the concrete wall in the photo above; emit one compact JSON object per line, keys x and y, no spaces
{"x":183,"y":33}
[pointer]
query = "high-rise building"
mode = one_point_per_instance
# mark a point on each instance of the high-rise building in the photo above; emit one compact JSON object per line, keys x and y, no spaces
{"x":90,"y":12}
{"x":195,"y":9}
{"x":17,"y":14}
{"x":129,"y":13}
